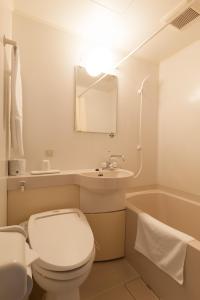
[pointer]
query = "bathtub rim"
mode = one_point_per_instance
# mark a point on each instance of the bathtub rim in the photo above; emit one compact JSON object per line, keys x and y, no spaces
{"x":193,"y":243}
{"x":160,"y":191}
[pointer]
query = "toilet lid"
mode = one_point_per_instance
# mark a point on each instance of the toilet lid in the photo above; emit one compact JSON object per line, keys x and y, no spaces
{"x":63,"y":239}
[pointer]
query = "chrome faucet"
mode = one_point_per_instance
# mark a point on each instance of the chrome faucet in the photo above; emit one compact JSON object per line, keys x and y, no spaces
{"x":111,"y":163}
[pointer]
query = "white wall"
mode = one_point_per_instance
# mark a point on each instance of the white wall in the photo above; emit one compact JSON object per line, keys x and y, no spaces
{"x":179,"y":121}
{"x":48,"y":57}
{"x":5,"y":28}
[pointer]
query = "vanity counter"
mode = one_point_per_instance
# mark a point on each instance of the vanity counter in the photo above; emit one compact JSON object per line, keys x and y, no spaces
{"x":45,"y":180}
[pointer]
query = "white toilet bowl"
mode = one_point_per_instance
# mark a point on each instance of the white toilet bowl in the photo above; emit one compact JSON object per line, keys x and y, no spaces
{"x":65,"y":244}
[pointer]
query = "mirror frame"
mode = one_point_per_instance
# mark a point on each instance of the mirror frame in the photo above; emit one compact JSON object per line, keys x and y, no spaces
{"x":111,"y":133}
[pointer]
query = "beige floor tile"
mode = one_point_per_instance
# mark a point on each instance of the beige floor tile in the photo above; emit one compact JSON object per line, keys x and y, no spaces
{"x":103,"y":278}
{"x":117,"y":293}
{"x":140,"y":291}
{"x":106,"y":275}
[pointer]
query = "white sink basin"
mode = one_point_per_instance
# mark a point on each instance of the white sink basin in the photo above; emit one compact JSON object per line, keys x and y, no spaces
{"x":109,"y":179}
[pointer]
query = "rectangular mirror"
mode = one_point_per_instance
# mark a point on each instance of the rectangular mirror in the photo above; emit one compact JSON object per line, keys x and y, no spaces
{"x":96,"y":110}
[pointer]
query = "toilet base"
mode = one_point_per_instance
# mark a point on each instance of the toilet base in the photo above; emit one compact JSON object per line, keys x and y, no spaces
{"x":67,"y":289}
{"x":70,"y":295}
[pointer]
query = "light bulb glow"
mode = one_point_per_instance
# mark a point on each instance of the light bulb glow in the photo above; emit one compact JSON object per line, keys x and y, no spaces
{"x":99,"y":60}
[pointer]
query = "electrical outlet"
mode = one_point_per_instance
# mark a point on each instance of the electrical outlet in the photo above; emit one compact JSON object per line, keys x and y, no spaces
{"x":49,"y":153}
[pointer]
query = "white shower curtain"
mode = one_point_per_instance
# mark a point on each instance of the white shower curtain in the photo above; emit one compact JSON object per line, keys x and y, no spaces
{"x":16,"y":115}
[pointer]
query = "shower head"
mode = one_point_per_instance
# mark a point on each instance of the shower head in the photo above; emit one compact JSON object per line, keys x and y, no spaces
{"x":182,"y":14}
{"x":142,"y":84}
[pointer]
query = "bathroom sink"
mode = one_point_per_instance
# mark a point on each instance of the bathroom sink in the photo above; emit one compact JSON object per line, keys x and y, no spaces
{"x":106,"y":180}
{"x":104,"y":191}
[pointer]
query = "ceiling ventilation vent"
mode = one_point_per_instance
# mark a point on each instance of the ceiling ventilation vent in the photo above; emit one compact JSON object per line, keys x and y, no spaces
{"x":185,"y":18}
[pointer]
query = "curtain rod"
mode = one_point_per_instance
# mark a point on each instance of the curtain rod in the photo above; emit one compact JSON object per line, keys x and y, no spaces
{"x":165,"y":22}
{"x":9,"y":42}
{"x":125,"y":58}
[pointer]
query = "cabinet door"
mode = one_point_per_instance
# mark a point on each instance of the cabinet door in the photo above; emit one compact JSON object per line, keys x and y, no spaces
{"x":109,"y":234}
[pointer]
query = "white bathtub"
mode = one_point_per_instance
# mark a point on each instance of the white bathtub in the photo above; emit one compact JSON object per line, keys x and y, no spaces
{"x":180,"y":213}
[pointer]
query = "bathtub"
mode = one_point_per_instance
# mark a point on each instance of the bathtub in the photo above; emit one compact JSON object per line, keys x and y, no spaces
{"x":179,"y":213}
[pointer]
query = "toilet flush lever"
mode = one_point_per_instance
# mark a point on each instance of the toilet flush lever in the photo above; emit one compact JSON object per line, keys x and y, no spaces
{"x":22,"y":185}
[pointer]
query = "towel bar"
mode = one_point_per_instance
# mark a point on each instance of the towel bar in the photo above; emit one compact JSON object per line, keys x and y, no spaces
{"x":9,"y":42}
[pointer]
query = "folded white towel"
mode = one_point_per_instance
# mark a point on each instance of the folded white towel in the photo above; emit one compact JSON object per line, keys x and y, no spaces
{"x":16,"y":121}
{"x":163,"y":245}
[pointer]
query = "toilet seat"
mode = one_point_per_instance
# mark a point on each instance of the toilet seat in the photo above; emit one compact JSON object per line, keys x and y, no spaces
{"x":62,"y":239}
{"x":68,"y":275}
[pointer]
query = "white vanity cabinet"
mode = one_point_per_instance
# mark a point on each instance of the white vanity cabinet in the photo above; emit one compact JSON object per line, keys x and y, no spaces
{"x":109,"y":233}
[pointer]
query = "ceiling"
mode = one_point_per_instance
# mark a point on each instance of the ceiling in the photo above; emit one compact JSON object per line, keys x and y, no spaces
{"x":118,"y":24}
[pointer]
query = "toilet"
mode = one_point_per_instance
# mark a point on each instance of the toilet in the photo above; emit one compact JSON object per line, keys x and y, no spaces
{"x":64,"y":243}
